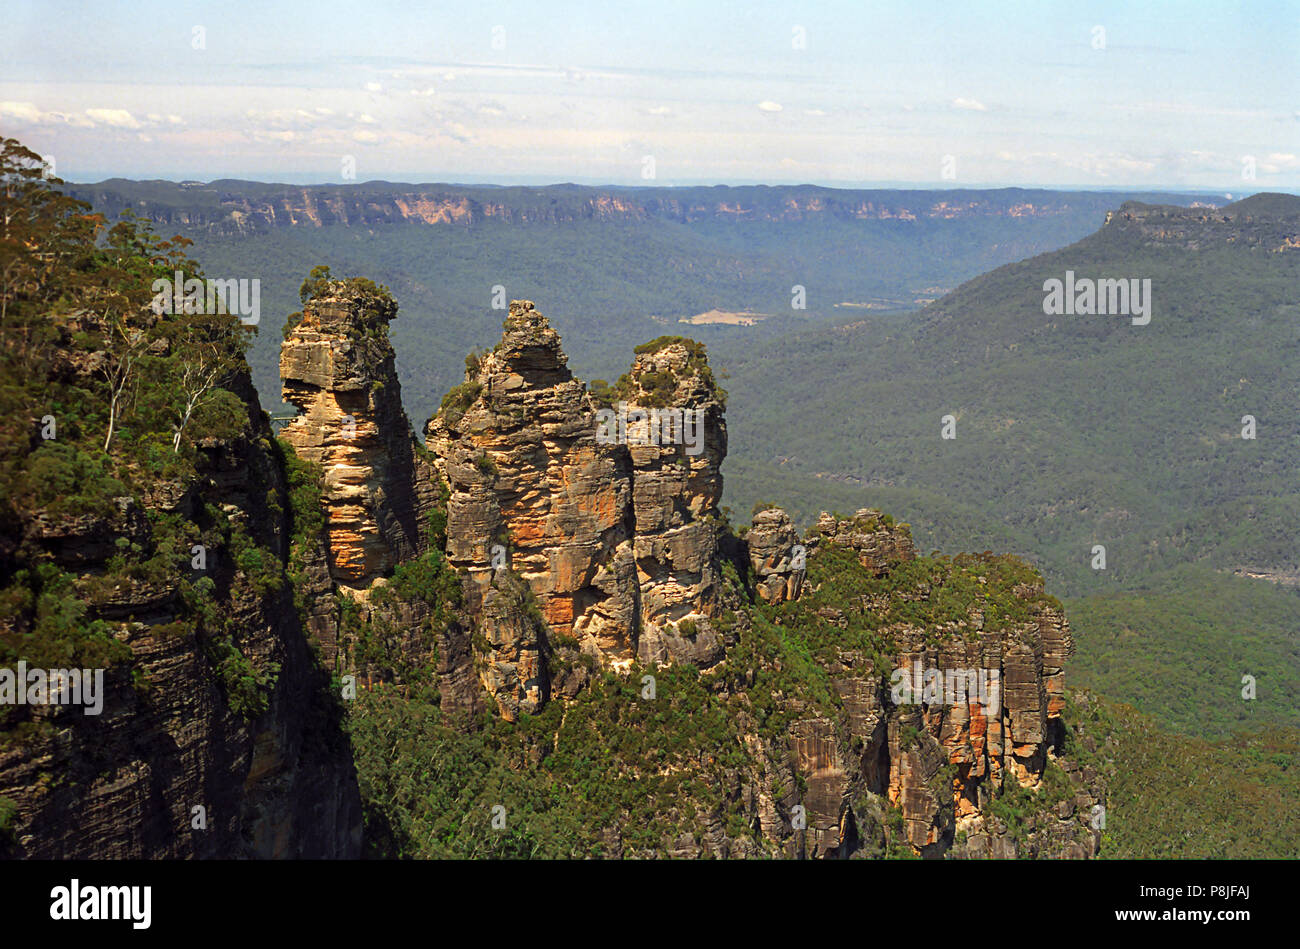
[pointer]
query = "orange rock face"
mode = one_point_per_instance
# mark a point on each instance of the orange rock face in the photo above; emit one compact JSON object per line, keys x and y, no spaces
{"x":337,"y":369}
{"x":611,"y":532}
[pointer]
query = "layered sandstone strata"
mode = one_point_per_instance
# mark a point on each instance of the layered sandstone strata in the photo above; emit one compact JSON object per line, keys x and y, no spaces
{"x":609,"y":513}
{"x":676,"y":436}
{"x":337,"y":368}
{"x":533,"y":492}
{"x":776,"y":556}
{"x":134,"y":781}
{"x":938,"y":762}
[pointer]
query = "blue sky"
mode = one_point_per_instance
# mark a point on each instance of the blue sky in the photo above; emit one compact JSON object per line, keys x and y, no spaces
{"x":1174,"y":95}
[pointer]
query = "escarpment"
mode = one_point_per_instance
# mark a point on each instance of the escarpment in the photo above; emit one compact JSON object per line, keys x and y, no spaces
{"x":1268,"y":222}
{"x":553,"y":553}
{"x":880,"y":702}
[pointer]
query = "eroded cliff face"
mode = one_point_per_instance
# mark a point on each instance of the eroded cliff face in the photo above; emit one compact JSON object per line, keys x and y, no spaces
{"x":534,"y":494}
{"x":182,"y":763}
{"x":378,"y":492}
{"x":938,"y":754}
{"x":586,"y":538}
{"x":590,"y":521}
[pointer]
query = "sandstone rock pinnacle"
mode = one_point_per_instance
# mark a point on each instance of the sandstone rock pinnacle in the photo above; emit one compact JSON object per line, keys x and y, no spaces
{"x":612,"y":525}
{"x":337,"y":368}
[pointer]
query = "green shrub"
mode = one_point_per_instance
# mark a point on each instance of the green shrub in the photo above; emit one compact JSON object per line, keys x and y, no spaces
{"x":427,"y":578}
{"x":602,"y":393}
{"x":64,"y":479}
{"x":459,"y":398}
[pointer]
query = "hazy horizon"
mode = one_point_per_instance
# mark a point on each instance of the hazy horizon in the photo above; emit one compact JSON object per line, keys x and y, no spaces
{"x":416,"y":181}
{"x":1009,"y":95}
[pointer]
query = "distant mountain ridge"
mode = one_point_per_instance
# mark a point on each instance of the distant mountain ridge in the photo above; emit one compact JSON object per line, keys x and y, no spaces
{"x":1266,"y":219}
{"x":235,"y":207}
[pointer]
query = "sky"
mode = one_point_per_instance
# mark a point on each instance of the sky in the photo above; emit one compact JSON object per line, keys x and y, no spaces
{"x":1189,"y":95}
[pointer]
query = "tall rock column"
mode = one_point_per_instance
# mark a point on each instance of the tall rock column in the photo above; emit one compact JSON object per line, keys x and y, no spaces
{"x":533,"y":493}
{"x":670,"y":415}
{"x":337,"y":369}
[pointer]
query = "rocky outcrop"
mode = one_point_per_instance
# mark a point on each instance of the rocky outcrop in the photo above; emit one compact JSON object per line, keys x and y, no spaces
{"x":533,"y":492}
{"x":981,"y":708}
{"x":776,"y":556}
{"x":877,"y":541}
{"x":513,"y":661}
{"x":589,"y":522}
{"x":378,"y":492}
{"x":337,"y":368}
{"x":608,"y":512}
{"x":578,"y":522}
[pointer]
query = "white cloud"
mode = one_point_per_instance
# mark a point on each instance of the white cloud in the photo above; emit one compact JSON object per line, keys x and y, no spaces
{"x":366,"y":119}
{"x":289,"y":118}
{"x":970,"y":105}
{"x":427,"y":91}
{"x":22,"y":111}
{"x":660,"y":110}
{"x":117,"y":118}
{"x":767,"y":105}
{"x":374,"y":87}
{"x":817,"y":112}
{"x":1278,"y":162}
{"x":364,"y":135}
{"x":29,"y":112}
